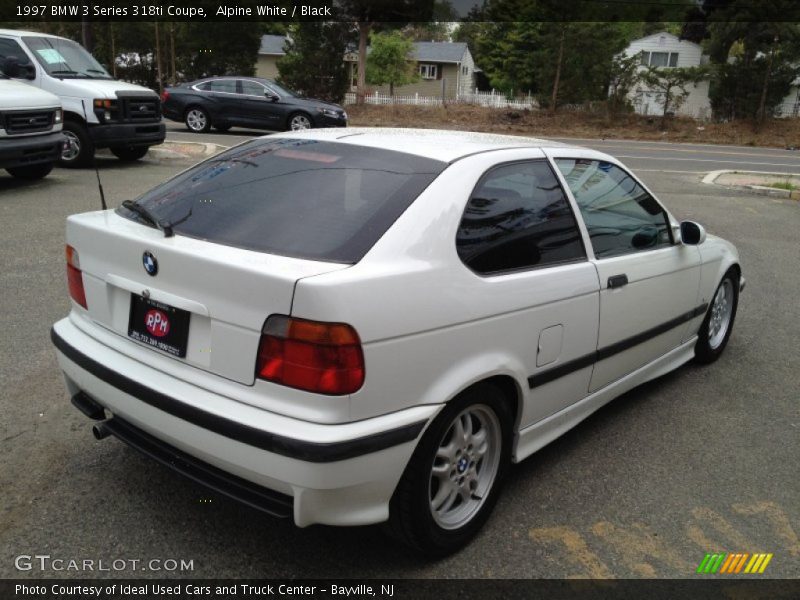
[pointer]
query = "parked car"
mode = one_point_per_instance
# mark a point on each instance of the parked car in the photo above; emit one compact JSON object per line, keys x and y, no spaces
{"x":365,"y":326}
{"x":99,"y":112}
{"x":225,"y":102}
{"x":30,"y":126}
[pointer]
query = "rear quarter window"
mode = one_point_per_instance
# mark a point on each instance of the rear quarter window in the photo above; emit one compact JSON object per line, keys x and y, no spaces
{"x":309,"y":199}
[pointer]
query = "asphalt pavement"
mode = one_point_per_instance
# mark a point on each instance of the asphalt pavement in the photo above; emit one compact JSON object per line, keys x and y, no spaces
{"x":704,"y":459}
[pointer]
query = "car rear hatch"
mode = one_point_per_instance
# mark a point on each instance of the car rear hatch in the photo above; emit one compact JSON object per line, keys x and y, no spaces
{"x":194,"y":267}
{"x":204,"y":303}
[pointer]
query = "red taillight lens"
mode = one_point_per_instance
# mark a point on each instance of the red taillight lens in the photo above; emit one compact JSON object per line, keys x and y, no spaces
{"x":164,"y":96}
{"x":325,"y":358}
{"x":75,"y":277}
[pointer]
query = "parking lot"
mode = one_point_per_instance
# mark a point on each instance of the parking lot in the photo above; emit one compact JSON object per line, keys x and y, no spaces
{"x":701,"y":460}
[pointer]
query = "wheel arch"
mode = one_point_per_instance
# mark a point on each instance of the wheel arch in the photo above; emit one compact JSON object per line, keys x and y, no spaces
{"x":74,"y":117}
{"x":299,"y":111}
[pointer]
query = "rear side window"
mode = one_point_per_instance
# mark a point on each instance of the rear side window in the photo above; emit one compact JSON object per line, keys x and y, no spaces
{"x":303,"y":198}
{"x":518,"y":218}
{"x":220,"y":85}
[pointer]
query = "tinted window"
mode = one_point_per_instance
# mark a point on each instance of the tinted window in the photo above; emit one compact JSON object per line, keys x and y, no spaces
{"x":518,"y":217}
{"x":10,"y":48}
{"x":220,"y":85}
{"x":620,"y":215}
{"x":305,"y":198}
{"x":251,"y":88}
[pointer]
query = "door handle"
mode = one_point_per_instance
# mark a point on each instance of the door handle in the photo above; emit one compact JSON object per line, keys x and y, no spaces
{"x":616,"y":281}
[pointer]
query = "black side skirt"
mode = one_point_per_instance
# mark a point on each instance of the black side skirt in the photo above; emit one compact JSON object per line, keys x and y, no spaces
{"x":264,"y":440}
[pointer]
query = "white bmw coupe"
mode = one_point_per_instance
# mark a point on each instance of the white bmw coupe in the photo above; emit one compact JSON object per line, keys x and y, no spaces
{"x":366,"y":325}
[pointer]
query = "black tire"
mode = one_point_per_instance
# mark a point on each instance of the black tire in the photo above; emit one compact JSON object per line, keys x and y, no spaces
{"x":129,"y":153}
{"x":296,"y":119}
{"x":197,"y":119}
{"x":222,"y":128}
{"x":411,"y":518}
{"x":80,"y":150}
{"x":31,"y":172}
{"x":711,"y":341}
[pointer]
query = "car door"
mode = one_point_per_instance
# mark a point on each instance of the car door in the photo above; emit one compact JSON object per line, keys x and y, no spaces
{"x":222,"y":100}
{"x":648,"y":283}
{"x":520,"y":234}
{"x":259,"y":110}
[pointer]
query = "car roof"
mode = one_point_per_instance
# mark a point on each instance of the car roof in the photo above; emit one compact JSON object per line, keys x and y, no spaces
{"x":22,"y":32}
{"x":437,"y":144}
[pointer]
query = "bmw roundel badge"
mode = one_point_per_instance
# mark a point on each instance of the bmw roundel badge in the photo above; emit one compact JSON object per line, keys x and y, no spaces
{"x":150,"y":263}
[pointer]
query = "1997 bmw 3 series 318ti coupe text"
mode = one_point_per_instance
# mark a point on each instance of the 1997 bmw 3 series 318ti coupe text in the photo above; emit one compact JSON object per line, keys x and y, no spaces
{"x":356,"y":326}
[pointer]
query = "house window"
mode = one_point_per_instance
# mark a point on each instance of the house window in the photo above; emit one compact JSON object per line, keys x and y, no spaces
{"x":428,"y":71}
{"x":465,"y":70}
{"x":659,"y":59}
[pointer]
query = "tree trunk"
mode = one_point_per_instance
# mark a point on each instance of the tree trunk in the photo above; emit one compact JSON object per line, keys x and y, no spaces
{"x":762,"y":104}
{"x":86,"y":35}
{"x":363,"y":36}
{"x":173,"y":78}
{"x":113,"y":49}
{"x":158,"y":60}
{"x":667,"y":90}
{"x":554,"y":98}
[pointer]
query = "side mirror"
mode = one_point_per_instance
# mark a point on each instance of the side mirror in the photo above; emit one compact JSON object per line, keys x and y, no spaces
{"x":692,"y":233}
{"x":10,"y":67}
{"x":271,"y":97}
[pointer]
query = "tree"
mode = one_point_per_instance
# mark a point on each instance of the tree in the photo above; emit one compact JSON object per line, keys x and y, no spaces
{"x":625,"y":74}
{"x":671,"y":84}
{"x":314,"y":61}
{"x":219,"y":48}
{"x":391,"y":60}
{"x":367,"y":14}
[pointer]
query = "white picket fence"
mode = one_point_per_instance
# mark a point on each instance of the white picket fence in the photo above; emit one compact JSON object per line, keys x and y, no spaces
{"x":491,"y":99}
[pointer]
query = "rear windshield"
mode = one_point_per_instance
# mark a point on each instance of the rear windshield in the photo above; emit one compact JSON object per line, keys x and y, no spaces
{"x":303,"y":198}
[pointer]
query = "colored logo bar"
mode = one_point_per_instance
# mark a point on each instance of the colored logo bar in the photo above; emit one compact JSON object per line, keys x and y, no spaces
{"x":734,"y":563}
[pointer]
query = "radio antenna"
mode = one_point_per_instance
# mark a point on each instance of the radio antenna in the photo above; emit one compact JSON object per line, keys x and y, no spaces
{"x":94,"y":163}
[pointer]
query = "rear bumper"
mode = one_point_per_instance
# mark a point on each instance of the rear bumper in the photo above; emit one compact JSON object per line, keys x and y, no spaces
{"x":30,"y":150}
{"x":128,"y":134}
{"x":334,"y":474}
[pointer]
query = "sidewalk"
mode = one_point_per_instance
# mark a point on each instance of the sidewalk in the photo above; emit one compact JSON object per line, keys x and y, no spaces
{"x":760,"y":182}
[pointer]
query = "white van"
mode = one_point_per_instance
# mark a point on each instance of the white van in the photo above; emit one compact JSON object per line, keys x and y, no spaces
{"x":30,"y":127}
{"x":99,"y":112}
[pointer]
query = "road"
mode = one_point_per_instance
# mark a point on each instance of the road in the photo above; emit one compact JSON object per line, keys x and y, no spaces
{"x":701,"y":460}
{"x":641,"y":156}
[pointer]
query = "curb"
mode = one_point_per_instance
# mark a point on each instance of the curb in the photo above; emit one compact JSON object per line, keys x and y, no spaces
{"x":195,"y":151}
{"x":761,"y":190}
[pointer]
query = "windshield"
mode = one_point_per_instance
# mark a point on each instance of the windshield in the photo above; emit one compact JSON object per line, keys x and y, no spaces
{"x":293,"y":197}
{"x":65,"y":59}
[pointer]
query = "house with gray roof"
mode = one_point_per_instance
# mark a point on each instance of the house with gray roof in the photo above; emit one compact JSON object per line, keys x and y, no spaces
{"x":444,"y":68}
{"x":268,"y":54}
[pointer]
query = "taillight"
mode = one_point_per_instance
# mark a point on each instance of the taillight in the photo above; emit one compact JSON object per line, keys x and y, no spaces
{"x":325,"y":358}
{"x":164,"y":96}
{"x":75,"y":277}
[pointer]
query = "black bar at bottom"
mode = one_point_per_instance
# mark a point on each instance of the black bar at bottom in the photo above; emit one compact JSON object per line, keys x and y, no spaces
{"x":258,"y":497}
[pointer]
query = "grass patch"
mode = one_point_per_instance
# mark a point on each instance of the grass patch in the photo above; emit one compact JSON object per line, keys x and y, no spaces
{"x":784,"y":185}
{"x":777,"y":133}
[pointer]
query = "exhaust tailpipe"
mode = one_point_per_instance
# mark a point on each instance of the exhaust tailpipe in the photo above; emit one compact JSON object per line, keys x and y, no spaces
{"x":101,"y":431}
